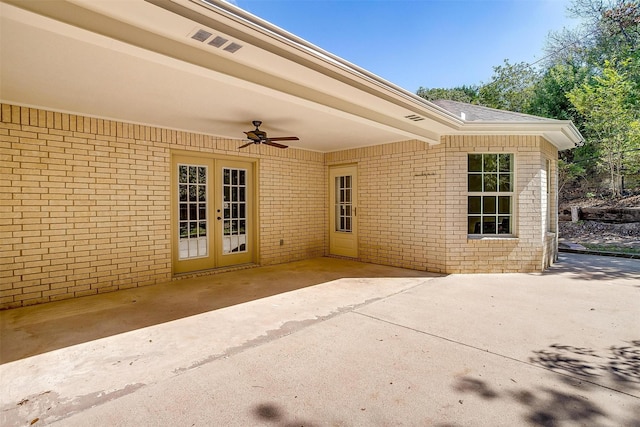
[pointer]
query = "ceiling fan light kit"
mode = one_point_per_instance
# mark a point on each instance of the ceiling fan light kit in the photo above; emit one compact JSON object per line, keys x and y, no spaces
{"x":258,"y":137}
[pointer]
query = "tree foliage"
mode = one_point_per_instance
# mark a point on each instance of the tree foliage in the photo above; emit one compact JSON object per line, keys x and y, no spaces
{"x":612,"y":125}
{"x":511,"y":87}
{"x":590,"y":75}
{"x":468,"y":94}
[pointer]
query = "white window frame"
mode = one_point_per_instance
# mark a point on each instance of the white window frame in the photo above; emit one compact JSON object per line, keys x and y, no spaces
{"x":478,"y":209}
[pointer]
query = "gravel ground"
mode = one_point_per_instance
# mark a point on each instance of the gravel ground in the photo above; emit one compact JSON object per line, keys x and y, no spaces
{"x":592,"y":232}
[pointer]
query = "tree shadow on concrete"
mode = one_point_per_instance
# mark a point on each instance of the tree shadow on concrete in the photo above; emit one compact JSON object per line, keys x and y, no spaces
{"x":585,"y":369}
{"x":274,"y":414}
{"x":545,"y":407}
{"x":617,"y":367}
{"x":595,"y":267}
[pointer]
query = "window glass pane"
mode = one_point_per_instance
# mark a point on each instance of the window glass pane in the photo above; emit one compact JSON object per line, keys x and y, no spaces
{"x":489,"y":225}
{"x":193,"y":211}
{"x":193,"y":174}
{"x":475,"y":163}
{"x":202,"y":191}
{"x":474,"y":225}
{"x":506,"y":161}
{"x":226,"y":176}
{"x":504,"y":226}
{"x":490,"y":182}
{"x":475,"y":182}
{"x":183,"y":212}
{"x":505,"y":182}
{"x":192,"y":193}
{"x":234,"y":176}
{"x":203,"y":211}
{"x":202,"y":175}
{"x":243,"y":176}
{"x":182,"y":174}
{"x":475,"y":205}
{"x":504,"y":204}
{"x":184,"y":229}
{"x":193,"y":229}
{"x":489,"y":204}
{"x":490,"y":162}
{"x":203,"y":229}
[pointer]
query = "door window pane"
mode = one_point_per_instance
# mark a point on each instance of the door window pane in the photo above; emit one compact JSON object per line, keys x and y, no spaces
{"x":343,"y":203}
{"x":192,"y":208}
{"x":234,"y":232}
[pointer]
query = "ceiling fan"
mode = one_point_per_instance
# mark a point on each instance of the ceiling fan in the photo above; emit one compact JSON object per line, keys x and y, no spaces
{"x":258,"y":136}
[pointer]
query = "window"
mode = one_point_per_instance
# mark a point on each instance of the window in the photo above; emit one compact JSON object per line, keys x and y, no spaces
{"x":549,"y":199}
{"x":490,"y":194}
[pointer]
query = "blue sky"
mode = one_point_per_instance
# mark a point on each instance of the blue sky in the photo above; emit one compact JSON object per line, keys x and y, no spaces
{"x":428,"y":43}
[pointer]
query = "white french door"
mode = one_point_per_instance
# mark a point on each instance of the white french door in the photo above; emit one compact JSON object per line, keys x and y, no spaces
{"x":212,"y":213}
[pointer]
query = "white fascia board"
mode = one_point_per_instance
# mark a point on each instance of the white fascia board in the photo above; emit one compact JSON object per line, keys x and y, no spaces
{"x":561,"y":133}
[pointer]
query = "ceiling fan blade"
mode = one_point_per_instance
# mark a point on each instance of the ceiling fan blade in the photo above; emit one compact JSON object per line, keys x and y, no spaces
{"x":246,"y":145}
{"x":252,"y":135}
{"x":284,"y":138}
{"x":275,"y":144}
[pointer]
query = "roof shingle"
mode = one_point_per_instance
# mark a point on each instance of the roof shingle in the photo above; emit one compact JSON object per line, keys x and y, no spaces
{"x":478,"y":113}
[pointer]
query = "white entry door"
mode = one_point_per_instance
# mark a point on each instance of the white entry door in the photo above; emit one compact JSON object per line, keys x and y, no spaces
{"x":343,"y":198}
{"x":212,"y":214}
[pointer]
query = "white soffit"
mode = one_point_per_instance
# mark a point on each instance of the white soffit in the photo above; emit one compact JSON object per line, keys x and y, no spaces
{"x":54,"y":65}
{"x":136,"y":61}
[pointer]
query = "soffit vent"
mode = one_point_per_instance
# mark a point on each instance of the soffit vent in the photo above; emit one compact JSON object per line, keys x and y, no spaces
{"x":232,"y":47}
{"x":217,"y":41}
{"x":414,"y":117}
{"x":213,"y":40}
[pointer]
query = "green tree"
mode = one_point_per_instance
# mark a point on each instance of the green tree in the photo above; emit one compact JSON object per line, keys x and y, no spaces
{"x":610,"y":29}
{"x":468,"y":94}
{"x":549,"y":97}
{"x":611,"y":120}
{"x":511,"y":87}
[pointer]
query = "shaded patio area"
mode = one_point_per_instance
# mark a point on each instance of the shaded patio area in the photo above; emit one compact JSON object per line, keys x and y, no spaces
{"x":38,"y":329}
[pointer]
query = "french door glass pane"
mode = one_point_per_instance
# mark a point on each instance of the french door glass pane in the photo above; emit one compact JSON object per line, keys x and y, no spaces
{"x":192,"y":208}
{"x":234,"y":191}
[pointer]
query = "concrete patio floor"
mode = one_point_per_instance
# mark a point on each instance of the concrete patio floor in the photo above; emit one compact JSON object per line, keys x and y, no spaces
{"x":335,"y":342}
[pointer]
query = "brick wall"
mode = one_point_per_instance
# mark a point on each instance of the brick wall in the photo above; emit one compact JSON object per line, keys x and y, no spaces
{"x":399,"y":203}
{"x":527,"y":250}
{"x":85,"y":203}
{"x":413,"y":205}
